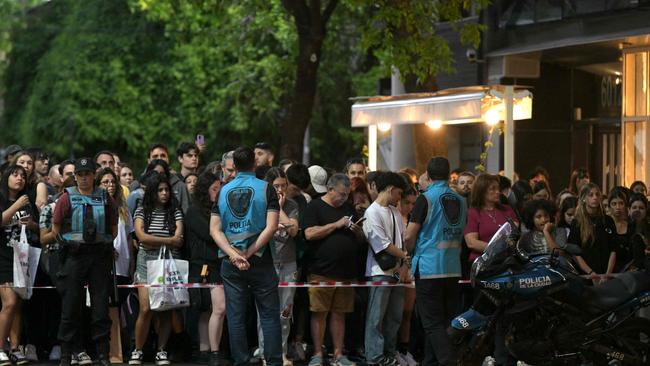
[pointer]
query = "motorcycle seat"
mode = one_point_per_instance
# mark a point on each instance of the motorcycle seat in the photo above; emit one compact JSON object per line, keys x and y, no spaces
{"x":616,"y":291}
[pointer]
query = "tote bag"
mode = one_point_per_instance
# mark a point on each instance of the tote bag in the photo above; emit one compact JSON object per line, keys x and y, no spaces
{"x":167,"y":271}
{"x":26,"y":260}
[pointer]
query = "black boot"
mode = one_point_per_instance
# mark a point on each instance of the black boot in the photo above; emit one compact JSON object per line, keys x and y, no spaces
{"x":66,"y":354}
{"x":214,"y":359}
{"x":103,"y":349}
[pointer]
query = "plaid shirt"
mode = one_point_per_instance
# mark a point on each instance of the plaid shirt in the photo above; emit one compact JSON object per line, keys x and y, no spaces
{"x":45,"y":220}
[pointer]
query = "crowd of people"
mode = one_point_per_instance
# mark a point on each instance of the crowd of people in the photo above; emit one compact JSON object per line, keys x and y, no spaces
{"x":246,"y":223}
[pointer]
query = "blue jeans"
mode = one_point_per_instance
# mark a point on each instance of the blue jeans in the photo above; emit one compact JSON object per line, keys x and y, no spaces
{"x":262,"y":281}
{"x":385,"y":305}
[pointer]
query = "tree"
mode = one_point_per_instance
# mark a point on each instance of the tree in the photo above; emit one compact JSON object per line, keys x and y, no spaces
{"x":123,"y":74}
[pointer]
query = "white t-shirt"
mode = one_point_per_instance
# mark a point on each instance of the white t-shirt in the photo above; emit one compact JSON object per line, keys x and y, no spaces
{"x":378,"y":228}
{"x":121,"y":245}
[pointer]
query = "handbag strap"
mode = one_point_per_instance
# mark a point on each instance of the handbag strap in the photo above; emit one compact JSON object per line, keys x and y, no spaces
{"x":394,"y":224}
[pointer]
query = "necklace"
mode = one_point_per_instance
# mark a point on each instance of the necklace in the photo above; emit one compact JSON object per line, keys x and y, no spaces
{"x":492,"y":216}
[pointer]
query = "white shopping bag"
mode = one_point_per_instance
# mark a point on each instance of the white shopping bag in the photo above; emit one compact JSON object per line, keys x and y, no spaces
{"x":167,"y":271}
{"x":26,"y":260}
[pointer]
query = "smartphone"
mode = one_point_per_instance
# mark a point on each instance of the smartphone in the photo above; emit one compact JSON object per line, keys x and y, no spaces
{"x":200,"y":139}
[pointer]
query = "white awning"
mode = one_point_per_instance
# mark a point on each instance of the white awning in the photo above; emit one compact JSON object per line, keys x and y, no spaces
{"x":450,"y":106}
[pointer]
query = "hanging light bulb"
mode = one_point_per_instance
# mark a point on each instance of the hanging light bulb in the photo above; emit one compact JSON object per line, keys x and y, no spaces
{"x":434,"y":124}
{"x":492,"y":117}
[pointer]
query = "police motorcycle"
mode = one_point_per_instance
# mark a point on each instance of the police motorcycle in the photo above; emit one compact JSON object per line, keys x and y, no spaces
{"x":550,"y":316}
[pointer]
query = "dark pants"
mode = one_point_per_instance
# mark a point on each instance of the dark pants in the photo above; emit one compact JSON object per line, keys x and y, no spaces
{"x":437,"y":304}
{"x":262,"y":280}
{"x":89,"y":264}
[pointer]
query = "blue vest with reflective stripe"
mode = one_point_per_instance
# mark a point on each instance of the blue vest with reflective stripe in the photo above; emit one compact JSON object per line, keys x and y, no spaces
{"x":243,"y":206}
{"x":81,"y":208}
{"x":437,"y":249}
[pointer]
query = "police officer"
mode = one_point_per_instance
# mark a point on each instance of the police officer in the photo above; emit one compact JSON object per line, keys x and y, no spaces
{"x":85,"y":222}
{"x":434,"y":236}
{"x":242,"y":223}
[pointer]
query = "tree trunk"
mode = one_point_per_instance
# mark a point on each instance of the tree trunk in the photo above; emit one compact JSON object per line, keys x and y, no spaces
{"x":310,"y":25}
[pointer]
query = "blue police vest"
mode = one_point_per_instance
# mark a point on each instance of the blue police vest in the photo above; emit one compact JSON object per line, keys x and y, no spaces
{"x":243,"y":206}
{"x":437,"y":250}
{"x":82,"y":207}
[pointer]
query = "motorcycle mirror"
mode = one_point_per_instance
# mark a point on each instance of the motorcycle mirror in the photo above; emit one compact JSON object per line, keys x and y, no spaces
{"x":573,"y":249}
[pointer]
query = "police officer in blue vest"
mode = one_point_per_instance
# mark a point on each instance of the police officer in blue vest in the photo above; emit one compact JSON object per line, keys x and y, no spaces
{"x":436,"y":231}
{"x":85,"y":223}
{"x":243,"y":222}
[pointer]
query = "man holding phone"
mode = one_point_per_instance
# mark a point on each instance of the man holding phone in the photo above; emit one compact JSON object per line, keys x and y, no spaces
{"x":336,"y":243}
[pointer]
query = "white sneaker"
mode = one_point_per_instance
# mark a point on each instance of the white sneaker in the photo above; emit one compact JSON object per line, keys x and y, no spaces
{"x":410,"y":360}
{"x":84,"y":359}
{"x":257,"y":356}
{"x":55,"y":353}
{"x":161,"y":358}
{"x":489,"y":361}
{"x":30,"y":353}
{"x":4,"y":359}
{"x":136,"y":357}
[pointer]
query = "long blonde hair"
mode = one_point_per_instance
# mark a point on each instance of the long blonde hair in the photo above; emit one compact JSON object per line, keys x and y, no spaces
{"x":583,"y":217}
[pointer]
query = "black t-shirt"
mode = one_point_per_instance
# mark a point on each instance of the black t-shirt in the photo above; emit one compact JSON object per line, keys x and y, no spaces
{"x":420,"y":210}
{"x":199,"y":246}
{"x":624,"y":251}
{"x":12,"y":230}
{"x":336,"y":255}
{"x":596,"y":254}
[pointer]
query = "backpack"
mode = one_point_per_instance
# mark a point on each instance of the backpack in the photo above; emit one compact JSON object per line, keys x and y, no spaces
{"x":89,"y":218}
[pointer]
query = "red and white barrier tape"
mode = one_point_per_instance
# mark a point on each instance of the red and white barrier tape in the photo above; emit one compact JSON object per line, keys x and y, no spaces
{"x":321,"y":284}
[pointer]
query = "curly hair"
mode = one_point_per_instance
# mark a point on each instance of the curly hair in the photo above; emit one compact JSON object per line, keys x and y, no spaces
{"x":201,"y":195}
{"x":531,"y":208}
{"x":150,"y":201}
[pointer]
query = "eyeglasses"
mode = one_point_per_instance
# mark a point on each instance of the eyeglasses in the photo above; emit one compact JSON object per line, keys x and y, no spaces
{"x":108,"y":183}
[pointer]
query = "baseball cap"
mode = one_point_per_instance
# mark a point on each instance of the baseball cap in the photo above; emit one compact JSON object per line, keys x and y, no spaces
{"x":84,"y":164}
{"x":13,"y":149}
{"x":318,"y":177}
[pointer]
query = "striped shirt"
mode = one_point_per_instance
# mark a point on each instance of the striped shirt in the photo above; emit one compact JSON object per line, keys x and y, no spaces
{"x":158,"y":226}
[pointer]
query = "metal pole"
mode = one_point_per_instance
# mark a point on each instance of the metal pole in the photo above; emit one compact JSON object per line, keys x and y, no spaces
{"x":372,"y":147}
{"x":402,"y":146}
{"x":509,"y":135}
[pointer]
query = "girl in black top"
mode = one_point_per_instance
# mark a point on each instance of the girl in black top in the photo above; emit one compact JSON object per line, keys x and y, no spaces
{"x":205,"y":265}
{"x":16,"y":211}
{"x":35,"y":190}
{"x":618,"y":210}
{"x":594,"y":232}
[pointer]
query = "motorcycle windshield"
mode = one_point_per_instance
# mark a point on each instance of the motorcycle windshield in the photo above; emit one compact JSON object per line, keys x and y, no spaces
{"x":495,"y":251}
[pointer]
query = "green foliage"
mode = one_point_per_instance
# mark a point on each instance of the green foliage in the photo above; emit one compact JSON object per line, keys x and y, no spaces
{"x":403,"y":34}
{"x":94,"y":74}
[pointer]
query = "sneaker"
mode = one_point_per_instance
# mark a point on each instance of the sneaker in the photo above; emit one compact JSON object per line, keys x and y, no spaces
{"x":299,"y":350}
{"x":286,"y":361}
{"x":17,"y":357}
{"x":161,"y":358}
{"x":408,"y":357}
{"x":316,"y":361}
{"x":55,"y":353}
{"x":489,"y":361}
{"x":73,"y":359}
{"x":213,"y":359}
{"x":84,"y":359}
{"x":257,"y":356}
{"x":388,"y":361}
{"x":30,"y":353}
{"x":136,"y":357}
{"x":4,"y":359}
{"x":342,"y":361}
{"x":401,"y":360}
